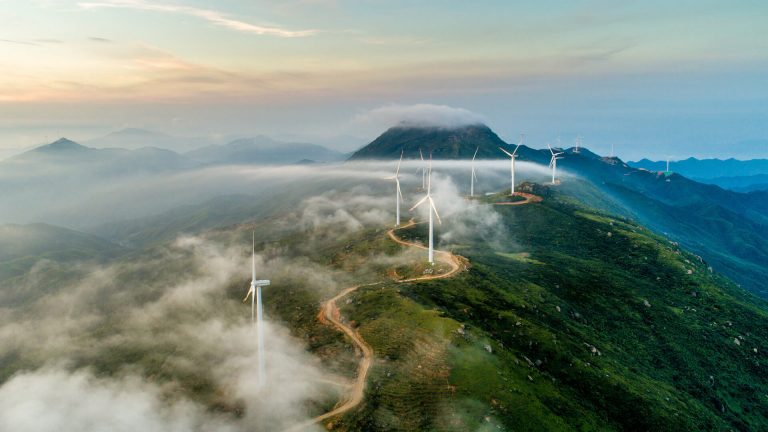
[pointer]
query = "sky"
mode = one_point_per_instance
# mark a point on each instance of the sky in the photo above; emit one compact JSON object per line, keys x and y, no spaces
{"x":654,"y":79}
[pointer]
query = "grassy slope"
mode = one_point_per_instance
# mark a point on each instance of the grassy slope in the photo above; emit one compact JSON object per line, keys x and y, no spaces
{"x":489,"y":349}
{"x":22,"y":246}
{"x":664,"y":352}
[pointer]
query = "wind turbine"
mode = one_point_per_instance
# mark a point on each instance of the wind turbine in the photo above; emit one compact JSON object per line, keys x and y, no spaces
{"x":432,"y":207}
{"x":553,"y":162}
{"x":578,"y":144}
{"x":667,"y":164}
{"x":423,"y":171}
{"x":398,"y":194}
{"x":255,"y":293}
{"x":512,"y":157}
{"x":473,"y":177}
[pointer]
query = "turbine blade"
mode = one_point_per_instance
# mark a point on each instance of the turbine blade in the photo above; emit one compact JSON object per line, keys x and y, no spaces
{"x":478,"y":148}
{"x":432,"y":204}
{"x":248,"y":294}
{"x":550,"y":149}
{"x":508,"y":153}
{"x":515,"y":152}
{"x":421,"y":201}
{"x":421,"y":155}
{"x":398,"y":164}
{"x":429,"y":176}
{"x":398,"y":191}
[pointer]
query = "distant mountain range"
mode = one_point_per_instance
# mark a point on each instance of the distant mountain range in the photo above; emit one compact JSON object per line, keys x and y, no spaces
{"x":739,"y":175}
{"x":134,"y":138}
{"x":64,"y":154}
{"x":264,"y":150}
{"x":727,"y":228}
{"x":61,"y":156}
{"x":51,"y":182}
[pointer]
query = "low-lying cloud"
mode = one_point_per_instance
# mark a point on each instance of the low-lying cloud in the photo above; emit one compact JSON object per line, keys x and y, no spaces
{"x":58,"y":400}
{"x":154,"y":344}
{"x":417,"y":115}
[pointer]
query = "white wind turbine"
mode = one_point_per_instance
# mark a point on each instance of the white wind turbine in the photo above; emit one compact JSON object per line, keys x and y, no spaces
{"x":578,"y":144}
{"x":473,"y":177}
{"x":512,"y":157}
{"x":398,"y":194}
{"x":553,"y":162}
{"x":256,"y":307}
{"x":431,"y":208}
{"x":423,"y":171}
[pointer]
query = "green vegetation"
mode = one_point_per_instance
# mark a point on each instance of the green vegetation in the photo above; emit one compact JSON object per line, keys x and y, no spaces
{"x":590,"y":322}
{"x":585,"y":320}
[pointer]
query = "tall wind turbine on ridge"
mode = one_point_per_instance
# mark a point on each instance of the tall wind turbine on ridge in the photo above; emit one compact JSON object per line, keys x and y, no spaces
{"x":512,"y":157}
{"x":473,"y":176}
{"x":553,"y":162}
{"x":432,"y":207}
{"x":255,"y":293}
{"x":398,"y":194}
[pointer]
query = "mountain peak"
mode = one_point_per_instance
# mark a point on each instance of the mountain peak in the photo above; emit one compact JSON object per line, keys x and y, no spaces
{"x":61,"y":145}
{"x":407,"y":124}
{"x":442,"y":142}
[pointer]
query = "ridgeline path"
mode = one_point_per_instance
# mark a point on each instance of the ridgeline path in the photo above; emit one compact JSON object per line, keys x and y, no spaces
{"x":529,"y":198}
{"x":331,"y":314}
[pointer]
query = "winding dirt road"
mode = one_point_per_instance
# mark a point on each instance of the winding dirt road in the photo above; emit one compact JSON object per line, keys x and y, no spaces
{"x":529,"y":198}
{"x":330,"y":314}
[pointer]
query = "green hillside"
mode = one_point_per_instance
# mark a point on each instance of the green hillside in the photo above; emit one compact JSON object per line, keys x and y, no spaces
{"x":573,"y":319}
{"x":585,"y":322}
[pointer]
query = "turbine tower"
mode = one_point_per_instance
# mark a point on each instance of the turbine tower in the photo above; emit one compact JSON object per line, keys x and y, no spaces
{"x":553,"y":162}
{"x":255,"y":293}
{"x":423,"y":170}
{"x":578,"y":144}
{"x":667,"y":164}
{"x":398,"y":194}
{"x":512,"y":157}
{"x":473,"y":177}
{"x":431,"y":208}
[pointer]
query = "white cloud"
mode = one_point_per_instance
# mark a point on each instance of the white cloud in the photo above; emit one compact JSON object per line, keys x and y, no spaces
{"x":419,"y":114}
{"x":212,"y":16}
{"x":56,"y":400}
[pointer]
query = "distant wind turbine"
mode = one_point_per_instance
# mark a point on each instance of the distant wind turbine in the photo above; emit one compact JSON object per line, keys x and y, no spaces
{"x":398,"y":194}
{"x":553,"y":162}
{"x":428,"y":198}
{"x":578,"y":144}
{"x":473,"y":176}
{"x":255,"y":293}
{"x":423,"y":170}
